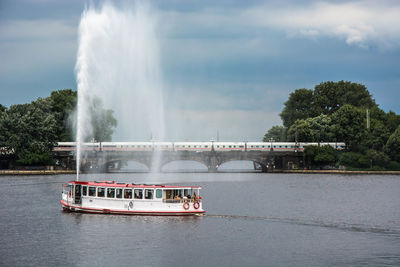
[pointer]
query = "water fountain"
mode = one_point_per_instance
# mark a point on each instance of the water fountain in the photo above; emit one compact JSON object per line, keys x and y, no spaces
{"x":118,"y":61}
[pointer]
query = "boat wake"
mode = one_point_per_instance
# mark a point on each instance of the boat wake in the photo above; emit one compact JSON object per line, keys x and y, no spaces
{"x":316,"y":223}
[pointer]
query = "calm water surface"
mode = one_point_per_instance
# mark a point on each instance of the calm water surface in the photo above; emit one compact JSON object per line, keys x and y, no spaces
{"x":252,"y":219}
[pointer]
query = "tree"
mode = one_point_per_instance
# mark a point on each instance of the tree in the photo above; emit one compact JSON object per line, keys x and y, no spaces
{"x":392,"y":121}
{"x":392,"y":147}
{"x":377,"y":158}
{"x":278,"y":133}
{"x":63,"y":104}
{"x":319,"y":156}
{"x":29,"y":129}
{"x":300,"y":131}
{"x":329,"y":97}
{"x":348,"y":125}
{"x":376,"y":136}
{"x":298,"y":106}
{"x":2,"y":109}
{"x":102,"y":121}
{"x":315,"y":129}
{"x":354,"y":160}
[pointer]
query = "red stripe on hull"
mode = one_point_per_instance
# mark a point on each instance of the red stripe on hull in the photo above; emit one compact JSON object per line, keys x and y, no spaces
{"x":67,"y":207}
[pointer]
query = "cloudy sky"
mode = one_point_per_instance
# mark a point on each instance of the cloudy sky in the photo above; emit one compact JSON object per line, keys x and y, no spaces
{"x":228,"y":66}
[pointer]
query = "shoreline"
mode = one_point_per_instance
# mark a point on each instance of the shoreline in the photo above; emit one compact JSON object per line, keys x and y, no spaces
{"x":36,"y":172}
{"x":56,"y":172}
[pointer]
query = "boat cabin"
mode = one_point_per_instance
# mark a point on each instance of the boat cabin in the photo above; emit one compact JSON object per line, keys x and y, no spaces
{"x":131,"y":198}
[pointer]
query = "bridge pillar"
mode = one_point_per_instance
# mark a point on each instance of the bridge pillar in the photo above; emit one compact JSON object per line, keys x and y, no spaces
{"x":213,"y":163}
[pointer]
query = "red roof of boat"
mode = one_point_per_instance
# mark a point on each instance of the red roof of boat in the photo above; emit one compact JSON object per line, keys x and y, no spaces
{"x":114,"y":184}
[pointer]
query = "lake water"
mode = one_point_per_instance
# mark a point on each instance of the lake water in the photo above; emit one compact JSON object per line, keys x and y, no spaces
{"x":253,"y":219}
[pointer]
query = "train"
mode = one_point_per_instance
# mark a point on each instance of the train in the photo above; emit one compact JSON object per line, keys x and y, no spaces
{"x":194,"y":146}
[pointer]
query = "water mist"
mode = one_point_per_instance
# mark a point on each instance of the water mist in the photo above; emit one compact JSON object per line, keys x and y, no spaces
{"x":118,"y":61}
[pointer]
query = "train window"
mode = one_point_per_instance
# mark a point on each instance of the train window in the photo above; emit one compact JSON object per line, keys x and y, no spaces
{"x":148,"y":194}
{"x":84,"y":190}
{"x":127,"y":193}
{"x":119,"y":193}
{"x":139,"y":193}
{"x":285,"y":146}
{"x":92,"y":191}
{"x":100,"y":191}
{"x":111,"y":192}
{"x":206,"y":146}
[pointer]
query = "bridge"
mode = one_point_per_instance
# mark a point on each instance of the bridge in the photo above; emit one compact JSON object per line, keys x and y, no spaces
{"x":105,"y":161}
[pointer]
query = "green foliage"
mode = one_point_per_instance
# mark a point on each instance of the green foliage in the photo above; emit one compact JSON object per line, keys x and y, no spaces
{"x":354,"y":160}
{"x":337,"y":112}
{"x":319,"y":156}
{"x":300,"y":130}
{"x":329,"y":97}
{"x":102,"y":121}
{"x":393,"y":166}
{"x":2,"y":109}
{"x":33,"y":129}
{"x":63,"y":104}
{"x":392,"y":121}
{"x":30,"y":129}
{"x":298,"y":106}
{"x":378,"y":158}
{"x":278,"y":133}
{"x":392,"y":147}
{"x":349,"y":125}
{"x":317,"y":129}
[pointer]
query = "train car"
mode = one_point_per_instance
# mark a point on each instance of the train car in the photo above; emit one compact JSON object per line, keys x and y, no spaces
{"x":127,"y":146}
{"x":193,"y":146}
{"x":258,"y":146}
{"x":284,"y":146}
{"x":163,"y":146}
{"x":229,"y":146}
{"x":71,"y":146}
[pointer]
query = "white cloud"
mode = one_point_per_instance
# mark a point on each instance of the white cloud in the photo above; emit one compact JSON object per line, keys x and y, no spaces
{"x":361,"y":23}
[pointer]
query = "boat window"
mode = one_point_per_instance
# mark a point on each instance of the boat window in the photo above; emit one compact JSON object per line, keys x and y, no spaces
{"x":119,"y":192}
{"x":139,"y":193}
{"x":100,"y":191}
{"x":187,"y":193}
{"x":159,"y":193}
{"x":84,"y":190}
{"x":128,"y":193}
{"x":92,"y":191}
{"x":111,"y":192}
{"x":148,"y":194}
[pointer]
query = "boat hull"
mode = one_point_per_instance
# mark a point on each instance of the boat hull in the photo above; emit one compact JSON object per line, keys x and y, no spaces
{"x":75,"y":208}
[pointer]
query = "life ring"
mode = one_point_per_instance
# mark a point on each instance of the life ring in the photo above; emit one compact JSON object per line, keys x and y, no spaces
{"x":131,"y":204}
{"x":186,"y":205}
{"x":196,"y":205}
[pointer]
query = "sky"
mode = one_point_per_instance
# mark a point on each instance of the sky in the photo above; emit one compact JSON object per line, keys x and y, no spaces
{"x":228,"y":66}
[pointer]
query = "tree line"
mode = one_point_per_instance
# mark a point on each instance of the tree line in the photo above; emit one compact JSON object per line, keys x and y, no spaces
{"x":31,"y":130}
{"x":340,"y":112}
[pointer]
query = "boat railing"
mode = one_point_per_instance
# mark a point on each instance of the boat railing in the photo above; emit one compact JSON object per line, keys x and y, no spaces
{"x":191,"y":200}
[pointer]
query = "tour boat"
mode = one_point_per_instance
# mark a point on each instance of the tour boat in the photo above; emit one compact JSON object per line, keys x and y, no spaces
{"x":136,"y":199}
